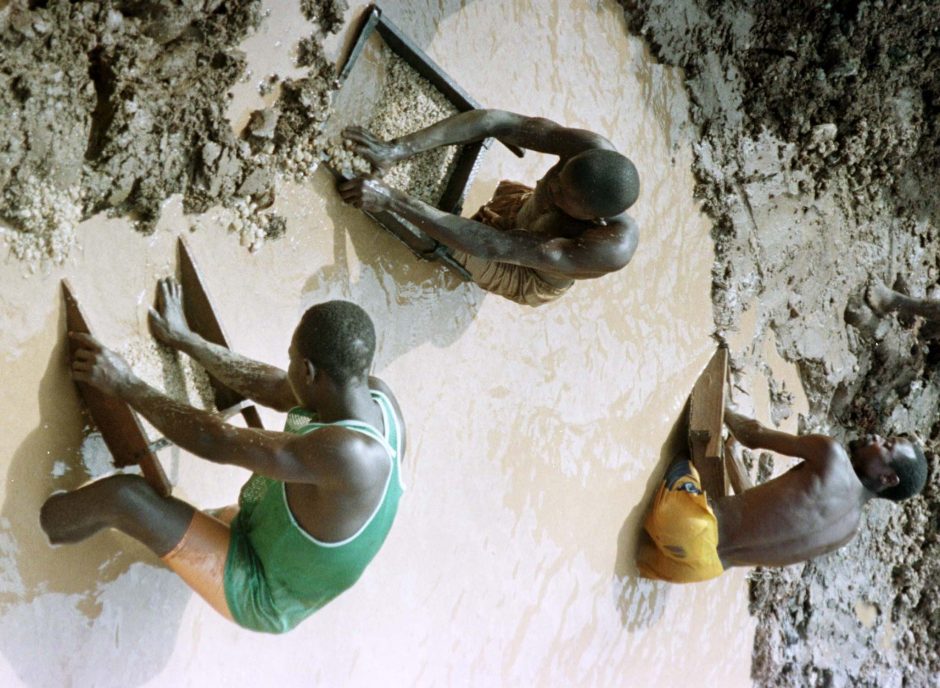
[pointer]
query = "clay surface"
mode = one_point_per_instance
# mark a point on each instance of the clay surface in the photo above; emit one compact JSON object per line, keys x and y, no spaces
{"x":490,"y":516}
{"x":816,"y":155}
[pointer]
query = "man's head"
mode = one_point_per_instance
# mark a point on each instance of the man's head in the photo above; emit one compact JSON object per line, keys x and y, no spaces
{"x":596,"y":184}
{"x":893,"y":468}
{"x":335,"y":339}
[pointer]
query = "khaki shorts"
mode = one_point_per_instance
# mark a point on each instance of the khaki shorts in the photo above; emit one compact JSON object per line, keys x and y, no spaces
{"x":515,"y":282}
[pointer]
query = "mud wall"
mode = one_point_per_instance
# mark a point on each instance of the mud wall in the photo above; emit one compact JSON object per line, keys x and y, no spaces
{"x":816,"y":155}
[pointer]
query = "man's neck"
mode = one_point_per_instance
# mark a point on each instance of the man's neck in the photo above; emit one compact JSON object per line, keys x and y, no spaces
{"x":350,"y":402}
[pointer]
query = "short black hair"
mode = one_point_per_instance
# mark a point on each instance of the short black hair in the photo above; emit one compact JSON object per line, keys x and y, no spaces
{"x":605,"y":181}
{"x":337,"y":337}
{"x":912,"y":476}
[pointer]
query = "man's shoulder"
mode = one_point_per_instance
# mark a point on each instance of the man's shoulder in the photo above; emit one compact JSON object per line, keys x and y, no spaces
{"x":824,"y":453}
{"x":336,"y":443}
{"x":341,"y":456}
{"x":378,"y":385}
{"x":620,"y":236}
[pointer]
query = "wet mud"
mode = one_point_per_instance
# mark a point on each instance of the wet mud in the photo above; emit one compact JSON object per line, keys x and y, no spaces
{"x":509,"y":431}
{"x":114,"y":107}
{"x":816,"y":155}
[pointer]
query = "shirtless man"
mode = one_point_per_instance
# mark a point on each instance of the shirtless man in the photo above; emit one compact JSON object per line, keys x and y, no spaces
{"x":324,"y":492}
{"x":812,"y":509}
{"x":526,"y":244}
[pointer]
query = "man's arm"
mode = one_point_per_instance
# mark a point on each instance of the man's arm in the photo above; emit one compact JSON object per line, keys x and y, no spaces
{"x":277,"y":455}
{"x":263,"y":383}
{"x":535,"y":133}
{"x":594,"y":253}
{"x":816,"y":449}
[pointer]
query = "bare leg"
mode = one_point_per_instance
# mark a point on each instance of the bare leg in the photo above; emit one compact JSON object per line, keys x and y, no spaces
{"x":225,"y":514}
{"x":125,"y":502}
{"x":884,"y":300}
{"x":192,"y":544}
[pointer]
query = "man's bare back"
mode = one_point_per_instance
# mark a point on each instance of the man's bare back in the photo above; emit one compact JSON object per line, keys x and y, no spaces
{"x":813,"y":508}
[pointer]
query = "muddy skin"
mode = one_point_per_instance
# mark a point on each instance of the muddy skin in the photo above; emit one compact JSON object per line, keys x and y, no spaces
{"x":817,"y":158}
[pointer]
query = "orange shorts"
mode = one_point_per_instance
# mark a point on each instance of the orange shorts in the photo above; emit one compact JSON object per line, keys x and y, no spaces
{"x":199,"y":559}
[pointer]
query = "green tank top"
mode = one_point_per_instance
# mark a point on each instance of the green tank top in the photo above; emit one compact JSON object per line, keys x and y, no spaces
{"x":276,"y":573}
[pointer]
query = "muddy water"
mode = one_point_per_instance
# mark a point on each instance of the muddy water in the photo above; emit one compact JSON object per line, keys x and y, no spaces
{"x":535,"y":436}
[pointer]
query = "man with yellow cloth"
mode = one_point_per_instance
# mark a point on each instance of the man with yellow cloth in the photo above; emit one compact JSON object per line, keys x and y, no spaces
{"x":528,"y":244}
{"x":813,"y":508}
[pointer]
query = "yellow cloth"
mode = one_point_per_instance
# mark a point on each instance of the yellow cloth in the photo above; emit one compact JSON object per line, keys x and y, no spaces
{"x":520,"y":284}
{"x":683,"y":530}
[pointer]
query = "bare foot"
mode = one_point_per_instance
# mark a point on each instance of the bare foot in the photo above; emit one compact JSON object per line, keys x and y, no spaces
{"x":879,"y":297}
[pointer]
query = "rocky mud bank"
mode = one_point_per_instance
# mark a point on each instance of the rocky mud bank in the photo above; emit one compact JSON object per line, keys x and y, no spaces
{"x":115,"y":106}
{"x":817,"y":156}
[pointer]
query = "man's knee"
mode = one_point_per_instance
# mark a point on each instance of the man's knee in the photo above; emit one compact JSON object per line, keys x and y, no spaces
{"x":128,"y":494}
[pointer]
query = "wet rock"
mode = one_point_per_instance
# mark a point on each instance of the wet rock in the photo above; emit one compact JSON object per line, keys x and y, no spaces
{"x":263,"y":123}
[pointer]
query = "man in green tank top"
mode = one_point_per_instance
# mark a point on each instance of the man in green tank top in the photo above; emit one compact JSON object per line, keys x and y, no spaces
{"x":324,"y":492}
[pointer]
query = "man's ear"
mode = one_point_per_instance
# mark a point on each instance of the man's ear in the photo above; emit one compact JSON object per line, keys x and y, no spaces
{"x":310,"y":371}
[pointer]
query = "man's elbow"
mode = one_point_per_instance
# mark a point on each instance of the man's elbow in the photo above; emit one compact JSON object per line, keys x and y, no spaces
{"x":498,"y":122}
{"x":617,"y":258}
{"x":746,"y":431}
{"x":624,"y":249}
{"x":621,"y":257}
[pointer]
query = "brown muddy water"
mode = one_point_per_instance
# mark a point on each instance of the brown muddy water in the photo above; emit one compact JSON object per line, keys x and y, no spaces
{"x":535,"y":435}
